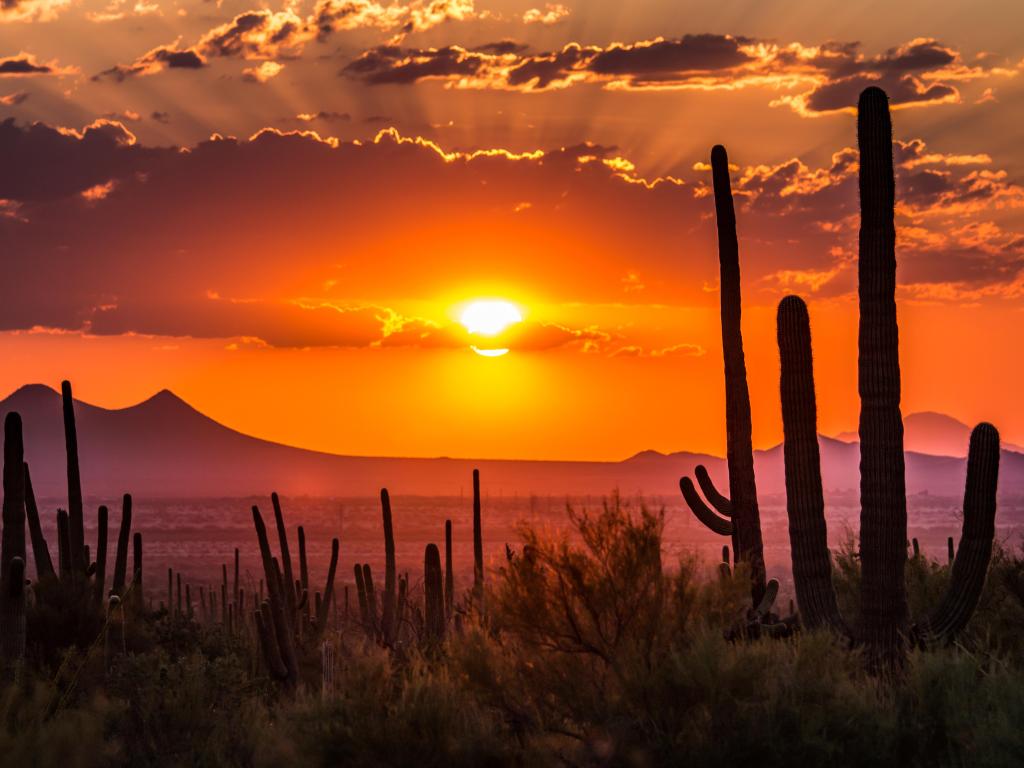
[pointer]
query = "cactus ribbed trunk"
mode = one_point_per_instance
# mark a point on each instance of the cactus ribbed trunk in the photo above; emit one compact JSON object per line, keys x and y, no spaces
{"x":805,"y":502}
{"x":390,"y":581}
{"x":76,"y":516}
{"x":100,"y":585}
{"x":303,"y":572}
{"x":123,"y":539}
{"x":975,"y":550}
{"x":746,"y":529}
{"x":449,"y":572}
{"x":12,"y":546}
{"x":40,"y":550}
{"x":433,"y":594}
{"x":883,"y":517}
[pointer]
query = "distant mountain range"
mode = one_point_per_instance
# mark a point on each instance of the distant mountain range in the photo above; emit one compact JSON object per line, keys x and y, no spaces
{"x":933,"y":433}
{"x":164,"y":448}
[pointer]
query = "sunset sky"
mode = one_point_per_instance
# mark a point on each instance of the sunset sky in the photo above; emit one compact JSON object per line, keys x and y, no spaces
{"x":280,"y":211}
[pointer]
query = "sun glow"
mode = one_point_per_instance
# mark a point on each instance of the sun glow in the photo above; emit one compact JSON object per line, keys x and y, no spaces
{"x":489,"y":318}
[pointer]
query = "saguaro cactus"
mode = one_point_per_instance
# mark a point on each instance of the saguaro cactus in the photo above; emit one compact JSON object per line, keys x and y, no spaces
{"x":123,"y":539}
{"x":100,"y":583}
{"x":390,"y":581}
{"x":883,"y":516}
{"x":805,"y":504}
{"x":40,"y":550}
{"x":76,"y":516}
{"x":478,"y":542}
{"x":433,"y":594}
{"x":737,"y":516}
{"x":12,"y":546}
{"x":275,"y":629}
{"x":449,"y":572}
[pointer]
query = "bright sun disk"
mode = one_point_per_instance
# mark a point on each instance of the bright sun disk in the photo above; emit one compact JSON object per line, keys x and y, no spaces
{"x":489,"y":318}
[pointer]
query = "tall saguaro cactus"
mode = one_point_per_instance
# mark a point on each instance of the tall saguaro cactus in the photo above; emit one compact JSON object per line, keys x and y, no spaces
{"x":76,"y":515}
{"x":389,"y":605}
{"x":40,"y":550}
{"x":738,"y":515}
{"x":883,"y":516}
{"x":478,"y":543}
{"x":433,"y":593}
{"x":12,"y":546}
{"x":884,"y":621}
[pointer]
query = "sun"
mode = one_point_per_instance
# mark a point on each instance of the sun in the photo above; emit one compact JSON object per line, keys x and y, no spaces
{"x":489,"y":318}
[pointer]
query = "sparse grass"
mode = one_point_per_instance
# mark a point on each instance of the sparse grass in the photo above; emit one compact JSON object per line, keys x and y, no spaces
{"x":592,"y":653}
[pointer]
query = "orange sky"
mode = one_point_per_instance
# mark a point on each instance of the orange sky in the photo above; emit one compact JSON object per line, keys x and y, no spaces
{"x":395,"y":160}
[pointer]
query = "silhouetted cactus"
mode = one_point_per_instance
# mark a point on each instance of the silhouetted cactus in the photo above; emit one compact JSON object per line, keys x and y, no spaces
{"x":478,"y":543}
{"x":950,"y":550}
{"x":449,"y":572}
{"x":364,"y":614}
{"x":303,"y":571}
{"x":371,"y":599}
{"x":433,"y":593}
{"x":737,"y":516}
{"x":123,"y":539}
{"x":286,"y":560}
{"x":40,"y":550}
{"x":12,"y":546}
{"x":805,"y":505}
{"x":63,"y":545}
{"x":137,"y":570}
{"x":389,"y":604}
{"x":76,"y":516}
{"x":328,"y":595}
{"x":280,"y":655}
{"x":100,"y":581}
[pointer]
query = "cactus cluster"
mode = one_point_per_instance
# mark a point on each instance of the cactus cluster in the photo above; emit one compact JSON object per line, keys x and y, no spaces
{"x":68,"y":590}
{"x":884,"y":625}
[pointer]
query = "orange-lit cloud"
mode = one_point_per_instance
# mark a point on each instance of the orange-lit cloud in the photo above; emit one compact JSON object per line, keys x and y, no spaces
{"x":31,"y":10}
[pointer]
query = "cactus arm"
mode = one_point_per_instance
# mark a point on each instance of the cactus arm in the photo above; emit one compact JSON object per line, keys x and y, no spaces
{"x":40,"y":550}
{"x":76,"y":518}
{"x":390,"y":585}
{"x":702,"y":511}
{"x":328,"y":595}
{"x":975,"y":550}
{"x":805,"y":504}
{"x":123,"y":539}
{"x":883,"y":519}
{"x":747,"y":539}
{"x":771,"y":592}
{"x":433,"y":593}
{"x":100,"y":584}
{"x":721,"y":504}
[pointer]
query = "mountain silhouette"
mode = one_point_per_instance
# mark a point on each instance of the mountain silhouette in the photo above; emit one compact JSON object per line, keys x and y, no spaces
{"x":165,"y":448}
{"x":933,"y":433}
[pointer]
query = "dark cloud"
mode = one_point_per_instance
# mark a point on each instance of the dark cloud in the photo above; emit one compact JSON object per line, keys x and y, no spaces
{"x":688,"y":54}
{"x":161,"y":117}
{"x":842,"y":94}
{"x":23,"y":65}
{"x":162,"y":57}
{"x":14,"y":99}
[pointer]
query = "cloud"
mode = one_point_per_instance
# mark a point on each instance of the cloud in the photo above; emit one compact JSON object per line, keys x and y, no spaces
{"x":156,"y":60}
{"x":25,"y":65}
{"x":297,"y":228}
{"x":325,"y":116}
{"x":160,"y":117}
{"x":31,"y":10}
{"x":815,"y":80}
{"x":552,"y":13}
{"x":14,"y":99}
{"x":265,"y":72}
